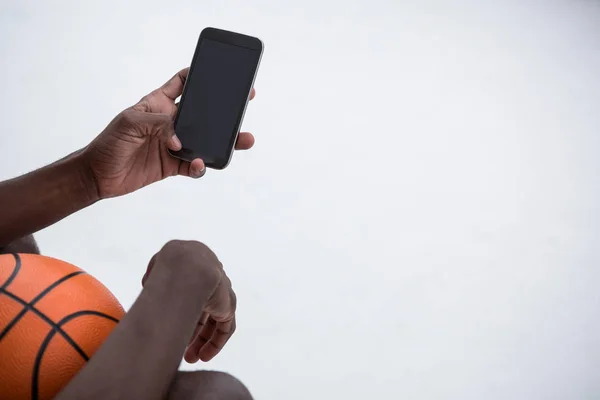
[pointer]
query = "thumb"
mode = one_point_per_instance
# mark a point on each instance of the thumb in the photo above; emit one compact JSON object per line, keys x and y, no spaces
{"x":158,"y":125}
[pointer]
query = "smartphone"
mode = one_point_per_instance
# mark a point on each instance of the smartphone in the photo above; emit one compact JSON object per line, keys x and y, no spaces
{"x":215,"y":96}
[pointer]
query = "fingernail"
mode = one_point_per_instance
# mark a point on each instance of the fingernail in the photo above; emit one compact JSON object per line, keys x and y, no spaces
{"x":175,"y":142}
{"x":198,"y":173}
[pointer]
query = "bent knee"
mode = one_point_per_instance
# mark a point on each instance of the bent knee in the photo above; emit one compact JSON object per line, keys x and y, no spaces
{"x":24,"y":245}
{"x":229,"y":386}
{"x":207,"y":385}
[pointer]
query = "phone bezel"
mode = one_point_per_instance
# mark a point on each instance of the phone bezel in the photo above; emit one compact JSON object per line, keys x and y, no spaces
{"x":235,"y":39}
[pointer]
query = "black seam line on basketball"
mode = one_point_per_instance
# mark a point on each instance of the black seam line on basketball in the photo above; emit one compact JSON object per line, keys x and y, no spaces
{"x":52,"y":323}
{"x":43,"y":316}
{"x":16,"y":270}
{"x":46,"y":343}
{"x":29,"y":306}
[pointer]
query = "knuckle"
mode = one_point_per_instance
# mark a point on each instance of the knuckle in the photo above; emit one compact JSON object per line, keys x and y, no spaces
{"x":145,"y":103}
{"x":233,"y":299}
{"x":212,"y":276}
{"x":173,"y":248}
{"x":162,"y":126}
{"x":126,"y":116}
{"x":192,"y":256}
{"x":126,"y":119}
{"x":173,"y":243}
{"x":186,"y":246}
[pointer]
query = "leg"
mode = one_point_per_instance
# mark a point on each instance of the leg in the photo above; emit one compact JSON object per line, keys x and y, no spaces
{"x":207,"y":385}
{"x":139,"y":360}
{"x":26,"y":244}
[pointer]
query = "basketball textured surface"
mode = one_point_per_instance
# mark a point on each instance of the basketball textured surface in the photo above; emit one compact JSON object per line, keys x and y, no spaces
{"x":53,"y":318}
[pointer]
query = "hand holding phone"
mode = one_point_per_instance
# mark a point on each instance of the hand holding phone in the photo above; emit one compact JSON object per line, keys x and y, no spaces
{"x":215,"y":96}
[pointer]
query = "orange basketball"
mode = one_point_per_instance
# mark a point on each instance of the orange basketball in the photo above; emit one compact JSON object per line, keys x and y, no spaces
{"x":53,"y":318}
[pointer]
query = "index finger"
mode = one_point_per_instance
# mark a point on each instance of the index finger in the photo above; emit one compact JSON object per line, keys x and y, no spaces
{"x":221,"y":334}
{"x":174,"y":86}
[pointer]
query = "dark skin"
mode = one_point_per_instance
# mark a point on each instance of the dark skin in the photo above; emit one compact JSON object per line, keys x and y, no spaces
{"x":187,"y":306}
{"x":129,"y":154}
{"x":123,"y":368}
{"x":204,"y":309}
{"x":26,"y":244}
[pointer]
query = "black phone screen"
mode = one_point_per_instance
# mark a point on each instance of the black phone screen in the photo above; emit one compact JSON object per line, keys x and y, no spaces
{"x":214,"y":100}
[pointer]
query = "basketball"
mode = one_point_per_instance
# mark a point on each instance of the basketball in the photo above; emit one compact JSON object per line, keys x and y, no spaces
{"x":53,"y":318}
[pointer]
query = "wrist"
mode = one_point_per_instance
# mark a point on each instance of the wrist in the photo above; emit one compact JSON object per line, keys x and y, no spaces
{"x":40,"y":198}
{"x":84,"y":181}
{"x":176,"y":293}
{"x":194,"y":289}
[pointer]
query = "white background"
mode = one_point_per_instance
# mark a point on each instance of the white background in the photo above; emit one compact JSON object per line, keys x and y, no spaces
{"x":419,"y":218}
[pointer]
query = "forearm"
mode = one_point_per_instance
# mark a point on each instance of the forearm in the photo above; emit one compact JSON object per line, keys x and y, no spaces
{"x":140,"y":358}
{"x":40,"y":198}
